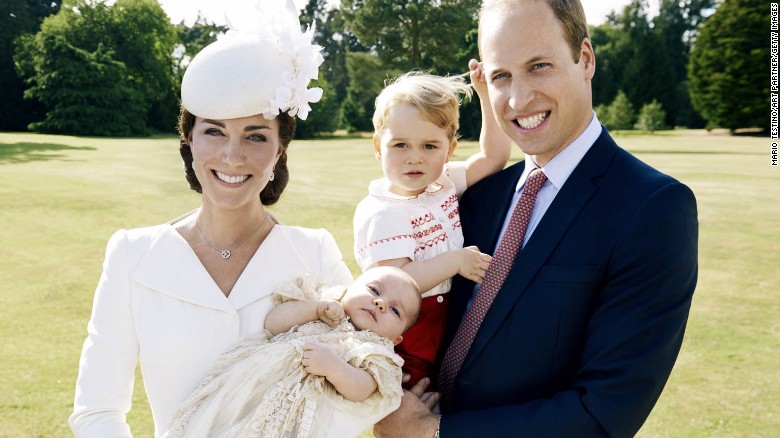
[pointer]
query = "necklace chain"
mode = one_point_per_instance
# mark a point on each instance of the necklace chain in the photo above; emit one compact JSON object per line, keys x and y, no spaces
{"x":225,"y":253}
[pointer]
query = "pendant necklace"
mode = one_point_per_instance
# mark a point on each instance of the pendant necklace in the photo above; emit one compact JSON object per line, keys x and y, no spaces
{"x":225,"y":253}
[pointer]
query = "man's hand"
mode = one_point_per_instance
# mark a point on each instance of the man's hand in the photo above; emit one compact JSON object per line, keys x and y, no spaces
{"x":330,"y":312}
{"x":414,"y":417}
{"x":473,"y":264}
{"x":320,"y":360}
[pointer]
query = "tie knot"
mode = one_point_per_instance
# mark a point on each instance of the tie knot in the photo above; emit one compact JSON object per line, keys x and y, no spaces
{"x":535,"y":180}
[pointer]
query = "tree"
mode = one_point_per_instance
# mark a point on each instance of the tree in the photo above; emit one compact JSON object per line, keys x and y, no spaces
{"x":366,"y":79}
{"x":611,"y":48}
{"x":409,"y":34}
{"x":136,"y":34}
{"x":82,"y":90}
{"x":647,"y":73}
{"x":18,"y":18}
{"x":676,"y":24}
{"x":145,"y":39}
{"x":727,"y":78}
{"x":620,"y":113}
{"x":651,"y":117}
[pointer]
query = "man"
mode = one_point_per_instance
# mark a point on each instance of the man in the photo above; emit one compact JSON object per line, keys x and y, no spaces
{"x":582,"y":332}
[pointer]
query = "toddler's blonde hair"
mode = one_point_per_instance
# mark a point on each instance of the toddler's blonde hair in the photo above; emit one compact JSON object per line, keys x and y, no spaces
{"x":437,"y":98}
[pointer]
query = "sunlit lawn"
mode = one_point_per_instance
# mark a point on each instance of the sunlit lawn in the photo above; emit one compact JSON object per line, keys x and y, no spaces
{"x":62,"y":197}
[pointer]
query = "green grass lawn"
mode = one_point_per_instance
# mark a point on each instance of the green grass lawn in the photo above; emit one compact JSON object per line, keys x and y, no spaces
{"x":62,"y":197}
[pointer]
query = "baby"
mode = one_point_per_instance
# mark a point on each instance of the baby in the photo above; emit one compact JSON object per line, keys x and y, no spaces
{"x":324,"y":367}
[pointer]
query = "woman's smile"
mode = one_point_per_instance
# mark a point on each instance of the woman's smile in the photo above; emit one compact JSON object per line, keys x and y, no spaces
{"x":229,"y":179}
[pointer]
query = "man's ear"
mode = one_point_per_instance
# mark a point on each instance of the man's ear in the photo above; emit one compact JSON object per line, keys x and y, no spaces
{"x":377,"y":147}
{"x":398,"y":340}
{"x":588,"y":59}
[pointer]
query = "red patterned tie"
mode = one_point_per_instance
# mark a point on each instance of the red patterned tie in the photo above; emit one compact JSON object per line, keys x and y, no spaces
{"x":503,"y":258}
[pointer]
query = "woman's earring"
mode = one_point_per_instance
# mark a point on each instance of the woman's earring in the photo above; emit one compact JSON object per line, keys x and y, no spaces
{"x":271,"y":178}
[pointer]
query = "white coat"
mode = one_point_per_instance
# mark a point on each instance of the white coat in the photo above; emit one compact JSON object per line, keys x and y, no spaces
{"x":156,"y":304}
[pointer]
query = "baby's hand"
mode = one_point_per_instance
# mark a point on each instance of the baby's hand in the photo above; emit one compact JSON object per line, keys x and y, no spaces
{"x":318,"y":359}
{"x":330,"y":312}
{"x":478,"y":79}
{"x":473,"y":264}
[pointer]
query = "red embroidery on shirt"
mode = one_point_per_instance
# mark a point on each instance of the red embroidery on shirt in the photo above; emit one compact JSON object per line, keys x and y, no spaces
{"x":420,"y":234}
{"x":431,"y":243}
{"x":420,"y":221}
{"x":452,"y":200}
{"x":454,"y":213}
{"x":385,"y":240}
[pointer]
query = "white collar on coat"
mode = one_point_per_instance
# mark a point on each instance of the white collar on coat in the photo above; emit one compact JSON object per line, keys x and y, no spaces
{"x":170,"y":266}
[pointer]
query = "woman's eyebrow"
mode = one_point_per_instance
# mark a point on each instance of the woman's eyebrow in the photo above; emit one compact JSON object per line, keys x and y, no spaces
{"x":256,"y":127}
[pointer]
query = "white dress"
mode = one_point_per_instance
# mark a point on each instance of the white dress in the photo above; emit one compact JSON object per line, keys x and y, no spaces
{"x":157,"y":306}
{"x":258,"y":388}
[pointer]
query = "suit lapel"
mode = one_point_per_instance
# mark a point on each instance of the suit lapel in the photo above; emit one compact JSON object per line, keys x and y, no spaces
{"x":573,"y":196}
{"x":486,"y":227}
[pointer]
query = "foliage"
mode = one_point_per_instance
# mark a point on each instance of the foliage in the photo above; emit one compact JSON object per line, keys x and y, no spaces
{"x":413,"y":34}
{"x":18,"y":18}
{"x":651,"y":117}
{"x":727,"y":82}
{"x":646,"y":58}
{"x":336,"y":41}
{"x":83,"y":90}
{"x":620,"y":113}
{"x":133,"y":37}
{"x":367,"y":77}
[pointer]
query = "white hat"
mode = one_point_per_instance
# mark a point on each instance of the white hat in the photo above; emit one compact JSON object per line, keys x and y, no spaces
{"x":263,"y":67}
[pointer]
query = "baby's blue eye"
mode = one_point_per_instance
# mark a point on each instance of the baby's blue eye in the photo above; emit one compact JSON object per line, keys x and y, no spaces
{"x":395,"y":311}
{"x":374,"y":291}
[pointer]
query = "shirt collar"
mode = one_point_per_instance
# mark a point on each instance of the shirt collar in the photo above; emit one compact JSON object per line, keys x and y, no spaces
{"x":381,"y":189}
{"x":562,"y":165}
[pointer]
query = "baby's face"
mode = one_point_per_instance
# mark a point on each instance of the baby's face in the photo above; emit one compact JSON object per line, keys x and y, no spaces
{"x":382,"y":301}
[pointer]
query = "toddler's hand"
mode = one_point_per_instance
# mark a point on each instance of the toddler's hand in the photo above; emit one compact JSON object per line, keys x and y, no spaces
{"x":478,"y":79}
{"x":319,"y":359}
{"x":330,"y":312}
{"x":474,"y":264}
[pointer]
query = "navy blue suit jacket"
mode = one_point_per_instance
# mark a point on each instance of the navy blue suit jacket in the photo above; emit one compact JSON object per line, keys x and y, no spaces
{"x":584,"y":332}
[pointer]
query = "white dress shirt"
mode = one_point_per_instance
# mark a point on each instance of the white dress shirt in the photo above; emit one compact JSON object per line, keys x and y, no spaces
{"x":557,"y":171}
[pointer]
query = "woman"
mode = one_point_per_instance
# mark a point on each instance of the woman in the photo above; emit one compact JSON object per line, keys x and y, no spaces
{"x":174,"y":296}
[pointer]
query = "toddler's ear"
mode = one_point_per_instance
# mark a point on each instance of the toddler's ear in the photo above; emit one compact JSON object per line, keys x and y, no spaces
{"x":453,"y":145}
{"x":377,"y":146}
